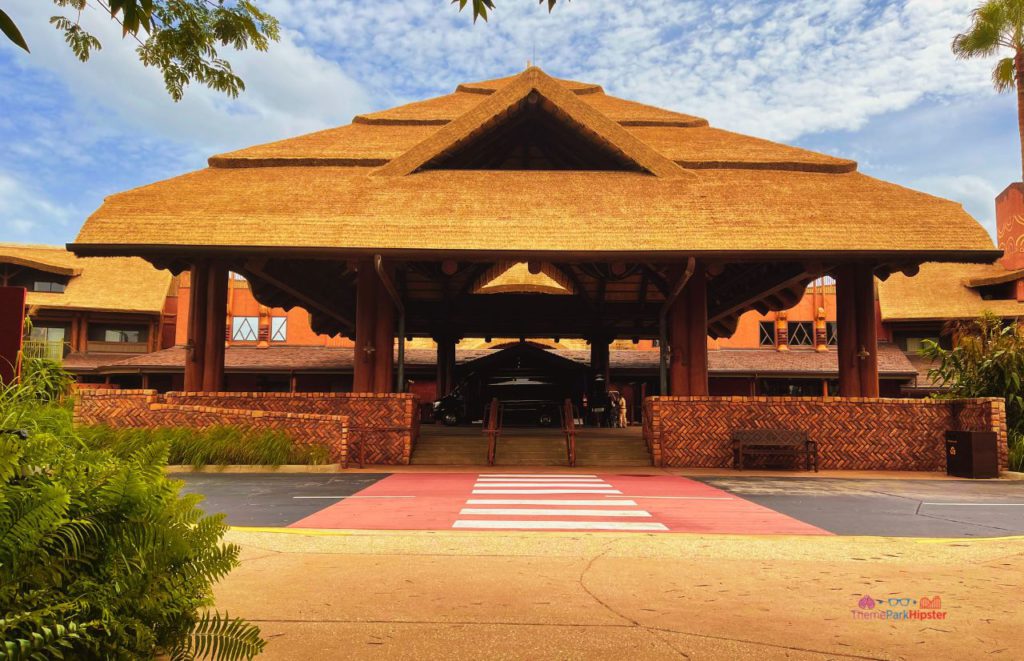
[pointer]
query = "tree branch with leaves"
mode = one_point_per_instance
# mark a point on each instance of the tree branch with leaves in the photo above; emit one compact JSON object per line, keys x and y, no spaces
{"x":179,"y":37}
{"x":481,"y":7}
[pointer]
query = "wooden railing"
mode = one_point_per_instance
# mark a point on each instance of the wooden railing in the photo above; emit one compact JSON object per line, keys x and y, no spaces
{"x":569,"y":428}
{"x":492,"y":427}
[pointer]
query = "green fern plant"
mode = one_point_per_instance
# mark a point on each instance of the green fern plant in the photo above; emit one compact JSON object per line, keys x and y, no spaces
{"x":101,"y":556}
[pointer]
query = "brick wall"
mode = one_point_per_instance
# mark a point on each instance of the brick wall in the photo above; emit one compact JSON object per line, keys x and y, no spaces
{"x":852,"y":433}
{"x":382,"y":426}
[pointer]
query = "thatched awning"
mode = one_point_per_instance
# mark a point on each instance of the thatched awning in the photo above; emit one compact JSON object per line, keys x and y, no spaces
{"x":108,"y":284}
{"x":940,"y":292}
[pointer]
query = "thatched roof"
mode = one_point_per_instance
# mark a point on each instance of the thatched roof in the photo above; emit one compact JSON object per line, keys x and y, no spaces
{"x":516,"y":277}
{"x":406,"y":181}
{"x":109,"y":284}
{"x":945,"y":291}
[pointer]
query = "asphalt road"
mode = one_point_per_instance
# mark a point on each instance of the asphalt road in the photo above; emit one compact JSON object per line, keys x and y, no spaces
{"x":899,"y":508}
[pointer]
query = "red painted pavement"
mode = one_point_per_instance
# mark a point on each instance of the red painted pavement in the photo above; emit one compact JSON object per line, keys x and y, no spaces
{"x":678,"y":503}
{"x":437,"y":499}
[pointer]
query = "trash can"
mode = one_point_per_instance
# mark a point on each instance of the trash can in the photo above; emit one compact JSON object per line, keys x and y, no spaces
{"x":972,"y":454}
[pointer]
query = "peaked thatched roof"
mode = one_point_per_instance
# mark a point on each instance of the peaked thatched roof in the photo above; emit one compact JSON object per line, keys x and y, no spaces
{"x":682,"y":188}
{"x":109,"y":284}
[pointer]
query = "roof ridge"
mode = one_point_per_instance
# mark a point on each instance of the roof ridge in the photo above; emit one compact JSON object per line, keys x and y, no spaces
{"x":32,"y":246}
{"x":533,"y":80}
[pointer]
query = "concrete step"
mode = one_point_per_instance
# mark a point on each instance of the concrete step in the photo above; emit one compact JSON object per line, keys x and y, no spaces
{"x":467,"y":446}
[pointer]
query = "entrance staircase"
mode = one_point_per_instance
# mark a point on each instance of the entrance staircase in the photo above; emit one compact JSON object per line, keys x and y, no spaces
{"x":467,"y":446}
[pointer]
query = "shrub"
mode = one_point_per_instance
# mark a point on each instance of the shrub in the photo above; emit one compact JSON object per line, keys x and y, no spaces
{"x":100,"y":555}
{"x":986,"y":361}
{"x":216,"y":445}
{"x":42,"y":380}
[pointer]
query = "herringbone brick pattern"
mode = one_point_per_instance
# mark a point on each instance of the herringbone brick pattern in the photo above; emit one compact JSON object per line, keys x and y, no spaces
{"x":852,"y":433}
{"x":385,"y":425}
{"x":382,"y":427}
{"x":330,"y":431}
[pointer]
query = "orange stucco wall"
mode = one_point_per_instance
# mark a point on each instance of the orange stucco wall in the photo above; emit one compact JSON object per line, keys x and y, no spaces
{"x":241,"y":303}
{"x":1010,"y":225}
{"x":747,"y":333}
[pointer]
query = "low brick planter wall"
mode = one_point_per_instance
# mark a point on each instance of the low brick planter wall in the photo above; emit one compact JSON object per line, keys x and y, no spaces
{"x":383,"y":427}
{"x":852,"y":433}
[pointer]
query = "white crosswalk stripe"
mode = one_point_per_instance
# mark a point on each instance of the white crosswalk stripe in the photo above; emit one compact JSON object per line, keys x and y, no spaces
{"x":561,"y":525}
{"x":527,"y":511}
{"x":538,"y":475}
{"x":542,"y":485}
{"x":550,"y":502}
{"x":609,"y":502}
{"x":543,"y":491}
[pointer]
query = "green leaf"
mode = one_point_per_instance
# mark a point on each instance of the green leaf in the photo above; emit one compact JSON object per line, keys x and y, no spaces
{"x":10,"y":31}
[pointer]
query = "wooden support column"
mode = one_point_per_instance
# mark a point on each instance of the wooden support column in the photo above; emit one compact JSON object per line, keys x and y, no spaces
{"x":363,"y":366}
{"x":846,"y":331}
{"x":600,"y":357}
{"x":679,"y":346}
{"x":216,"y":323}
{"x":194,"y":351}
{"x":445,"y":364}
{"x":696,"y":295}
{"x":384,"y":342}
{"x":867,"y":331}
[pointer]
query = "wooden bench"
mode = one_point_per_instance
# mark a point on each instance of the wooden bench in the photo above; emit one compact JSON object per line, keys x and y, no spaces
{"x":775,"y":443}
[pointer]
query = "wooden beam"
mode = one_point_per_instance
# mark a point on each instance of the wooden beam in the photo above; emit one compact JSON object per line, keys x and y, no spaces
{"x":761,"y":292}
{"x":660,"y":282}
{"x":257,"y":268}
{"x":577,"y":284}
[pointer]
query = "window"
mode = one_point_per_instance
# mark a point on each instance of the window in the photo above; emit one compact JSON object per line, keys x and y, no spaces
{"x":915,"y":344}
{"x":831,"y":333}
{"x":1004,"y":291}
{"x":44,"y":334}
{"x":48,"y":286}
{"x":766,"y":334}
{"x":120,"y":334}
{"x":801,"y":334}
{"x":46,"y":342}
{"x":237,"y":276}
{"x":278,"y":329}
{"x":244,"y":329}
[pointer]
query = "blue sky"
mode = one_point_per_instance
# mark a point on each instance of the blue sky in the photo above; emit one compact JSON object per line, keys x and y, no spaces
{"x":864,"y":79}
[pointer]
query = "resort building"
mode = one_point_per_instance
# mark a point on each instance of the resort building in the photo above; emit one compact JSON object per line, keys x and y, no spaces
{"x":534,"y":207}
{"x":89,"y":312}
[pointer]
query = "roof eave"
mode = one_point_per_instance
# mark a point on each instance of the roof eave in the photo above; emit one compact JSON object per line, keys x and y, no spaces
{"x":968,"y":256}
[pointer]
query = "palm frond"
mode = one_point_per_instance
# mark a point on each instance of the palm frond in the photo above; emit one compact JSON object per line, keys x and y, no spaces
{"x":1003,"y":77}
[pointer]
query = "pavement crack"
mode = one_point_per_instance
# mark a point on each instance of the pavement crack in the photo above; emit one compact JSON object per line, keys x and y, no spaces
{"x":651,"y":631}
{"x":831,"y":655}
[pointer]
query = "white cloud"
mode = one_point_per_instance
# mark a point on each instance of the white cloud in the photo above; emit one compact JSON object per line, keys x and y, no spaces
{"x":777,"y":69}
{"x":289,"y":90}
{"x":976,"y":194}
{"x":25,"y":211}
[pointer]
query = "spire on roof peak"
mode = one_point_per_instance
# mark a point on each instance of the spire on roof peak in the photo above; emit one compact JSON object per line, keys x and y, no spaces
{"x":532,"y":71}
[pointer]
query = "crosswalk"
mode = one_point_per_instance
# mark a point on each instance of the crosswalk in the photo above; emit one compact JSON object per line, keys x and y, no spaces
{"x":554,"y":503}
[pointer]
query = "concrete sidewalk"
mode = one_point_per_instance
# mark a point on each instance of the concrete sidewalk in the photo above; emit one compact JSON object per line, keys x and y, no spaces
{"x":404,"y":595}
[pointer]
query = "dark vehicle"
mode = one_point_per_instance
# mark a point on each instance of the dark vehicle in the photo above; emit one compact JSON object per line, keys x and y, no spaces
{"x":519,"y":409}
{"x":530,"y":382}
{"x":452,"y":409}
